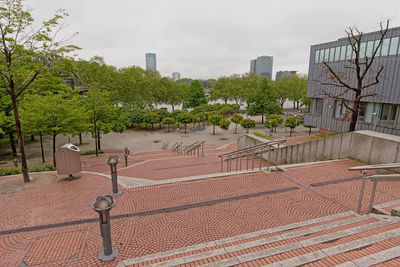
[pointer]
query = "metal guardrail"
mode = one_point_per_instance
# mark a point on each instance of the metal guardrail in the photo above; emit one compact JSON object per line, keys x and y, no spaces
{"x":176,"y":147}
{"x":375,"y":178}
{"x":193,"y":147}
{"x":250,"y":153}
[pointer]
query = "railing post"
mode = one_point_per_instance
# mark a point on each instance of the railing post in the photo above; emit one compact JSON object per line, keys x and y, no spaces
{"x":222,"y":163}
{"x":247,"y":162}
{"x":240,"y":162}
{"x":362,"y":190}
{"x":252,"y":162}
{"x":371,"y":201}
{"x":260,"y":160}
{"x":269,"y":152}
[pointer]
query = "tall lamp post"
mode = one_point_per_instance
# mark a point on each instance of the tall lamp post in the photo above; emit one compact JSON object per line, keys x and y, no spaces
{"x":102,"y":206}
{"x":375,"y":120}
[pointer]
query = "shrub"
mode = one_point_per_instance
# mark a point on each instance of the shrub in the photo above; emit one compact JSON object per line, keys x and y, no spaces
{"x":168,"y":121}
{"x":214,"y":120}
{"x":91,"y":152}
{"x":236,"y":119}
{"x":31,"y":168}
{"x":247,"y":124}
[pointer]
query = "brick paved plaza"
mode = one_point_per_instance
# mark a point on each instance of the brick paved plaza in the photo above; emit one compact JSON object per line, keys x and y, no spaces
{"x":54,"y":225}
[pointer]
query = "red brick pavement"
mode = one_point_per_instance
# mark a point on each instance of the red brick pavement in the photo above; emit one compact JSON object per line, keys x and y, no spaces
{"x":137,"y":236}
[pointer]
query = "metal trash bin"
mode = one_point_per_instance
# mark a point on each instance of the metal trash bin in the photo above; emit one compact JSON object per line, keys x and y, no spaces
{"x":68,"y":160}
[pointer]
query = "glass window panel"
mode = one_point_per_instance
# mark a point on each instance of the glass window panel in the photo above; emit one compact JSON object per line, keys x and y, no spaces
{"x":326,"y":56}
{"x":398,"y":119}
{"x":344,"y":108}
{"x":392,"y":113}
{"x":378,"y":53}
{"x":369,"y":109}
{"x":316,"y":59}
{"x":321,"y":55}
{"x":349,"y":52}
{"x":337,"y":53}
{"x":385,"y":112}
{"x":385,"y":47}
{"x":331,"y":54}
{"x":370,"y":49}
{"x":343,"y":52}
{"x":337,"y":109}
{"x":363,"y":47}
{"x":394,"y":43}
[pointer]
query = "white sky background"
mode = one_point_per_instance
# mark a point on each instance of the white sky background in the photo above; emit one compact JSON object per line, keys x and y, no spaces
{"x":212,"y":38}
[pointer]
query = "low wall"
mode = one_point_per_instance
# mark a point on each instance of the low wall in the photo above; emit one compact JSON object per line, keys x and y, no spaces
{"x":366,"y":146}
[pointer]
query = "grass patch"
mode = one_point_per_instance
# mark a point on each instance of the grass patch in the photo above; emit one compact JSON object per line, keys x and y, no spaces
{"x":91,"y":152}
{"x":31,"y":168}
{"x":262,"y":135}
{"x":325,"y":135}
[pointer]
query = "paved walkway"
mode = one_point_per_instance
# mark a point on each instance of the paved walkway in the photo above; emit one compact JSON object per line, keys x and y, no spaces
{"x":55,"y":225}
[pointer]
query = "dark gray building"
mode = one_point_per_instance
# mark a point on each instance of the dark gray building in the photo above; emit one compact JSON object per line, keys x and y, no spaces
{"x":151,"y":61}
{"x":380,"y":112}
{"x":279,"y":74}
{"x":262,"y":66}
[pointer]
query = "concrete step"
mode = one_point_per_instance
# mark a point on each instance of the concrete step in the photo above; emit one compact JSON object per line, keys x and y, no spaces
{"x":317,"y":239}
{"x":388,"y":208}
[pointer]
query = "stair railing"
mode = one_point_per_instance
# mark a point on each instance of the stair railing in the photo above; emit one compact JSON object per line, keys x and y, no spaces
{"x":375,"y":178}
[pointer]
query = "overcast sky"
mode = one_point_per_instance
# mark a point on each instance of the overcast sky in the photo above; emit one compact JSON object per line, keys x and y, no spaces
{"x":212,"y":38}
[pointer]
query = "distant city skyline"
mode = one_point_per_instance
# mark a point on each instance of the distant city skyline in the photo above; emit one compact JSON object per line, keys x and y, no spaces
{"x":151,"y":61}
{"x":262,"y":65}
{"x":202,"y":42}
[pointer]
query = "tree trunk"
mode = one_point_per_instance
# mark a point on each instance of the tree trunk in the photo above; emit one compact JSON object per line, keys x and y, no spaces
{"x":235,"y":128}
{"x":213,"y":129}
{"x":294,"y":104}
{"x":262,"y":118}
{"x":80,"y":138}
{"x":290,"y":131}
{"x":24,"y":165}
{"x":169,"y":125}
{"x":173,"y":107}
{"x":226,"y":101}
{"x":54,"y":149}
{"x":248,"y":129}
{"x":12,"y":144}
{"x":95,"y":140}
{"x":354,"y":115}
{"x":98,"y":140}
{"x":185,"y":127}
{"x":309,"y":131}
{"x":41,"y":147}
{"x":32,"y":137}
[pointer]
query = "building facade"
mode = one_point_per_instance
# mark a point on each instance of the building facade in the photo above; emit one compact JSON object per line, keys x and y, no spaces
{"x":151,"y":61}
{"x":262,"y":66}
{"x":279,"y":74}
{"x":176,"y":76}
{"x":380,"y":112}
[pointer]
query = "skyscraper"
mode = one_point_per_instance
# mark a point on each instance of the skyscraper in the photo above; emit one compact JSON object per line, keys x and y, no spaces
{"x":151,"y":61}
{"x":176,"y":76}
{"x":262,"y":66}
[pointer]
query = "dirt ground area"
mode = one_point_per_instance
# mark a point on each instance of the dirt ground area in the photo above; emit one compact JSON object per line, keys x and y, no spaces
{"x":16,"y":184}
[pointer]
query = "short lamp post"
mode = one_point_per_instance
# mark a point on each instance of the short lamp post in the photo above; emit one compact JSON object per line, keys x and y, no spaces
{"x":329,"y":118}
{"x":103,"y":205}
{"x":113,"y":161}
{"x":126,"y":154}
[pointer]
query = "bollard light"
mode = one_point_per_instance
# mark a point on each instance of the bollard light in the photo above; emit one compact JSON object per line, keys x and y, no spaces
{"x":113,"y":161}
{"x":102,"y":206}
{"x":126,"y":154}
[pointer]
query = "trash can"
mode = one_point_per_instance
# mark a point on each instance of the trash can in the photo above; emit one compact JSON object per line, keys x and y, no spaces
{"x":68,"y":160}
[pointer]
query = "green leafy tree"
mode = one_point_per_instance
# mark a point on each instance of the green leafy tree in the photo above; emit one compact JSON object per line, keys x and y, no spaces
{"x":295,"y":87}
{"x":214,"y":120}
{"x":52,"y":114}
{"x":224,"y":125}
{"x":185,"y":118}
{"x":168,"y":121}
{"x":221,"y":90}
{"x":136,"y":116}
{"x":309,"y":128}
{"x":263,"y":100}
{"x":162,"y":113}
{"x":174,"y":92}
{"x":292,"y":123}
{"x":27,"y":54}
{"x":101,"y":110}
{"x":151,"y":118}
{"x":248,"y":124}
{"x":271,"y":123}
{"x":175,"y":114}
{"x":276,"y":117}
{"x":236,"y":119}
{"x":195,"y":95}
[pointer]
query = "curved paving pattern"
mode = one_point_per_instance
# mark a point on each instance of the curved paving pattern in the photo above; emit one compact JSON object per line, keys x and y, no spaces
{"x":253,"y":214}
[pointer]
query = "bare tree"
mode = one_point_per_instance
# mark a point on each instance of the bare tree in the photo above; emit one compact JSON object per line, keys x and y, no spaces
{"x":27,"y":53}
{"x":360,"y":67}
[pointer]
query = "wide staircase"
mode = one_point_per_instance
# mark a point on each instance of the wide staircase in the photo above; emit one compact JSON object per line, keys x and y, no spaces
{"x":345,"y":239}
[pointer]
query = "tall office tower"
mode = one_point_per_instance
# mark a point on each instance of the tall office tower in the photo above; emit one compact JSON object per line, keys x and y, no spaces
{"x":279,"y":74}
{"x":176,"y":76}
{"x":151,"y":61}
{"x":262,"y":66}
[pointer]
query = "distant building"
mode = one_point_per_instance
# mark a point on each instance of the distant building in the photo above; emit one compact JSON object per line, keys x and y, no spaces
{"x":176,"y":76}
{"x":151,"y":61}
{"x":279,"y":74}
{"x":262,"y":66}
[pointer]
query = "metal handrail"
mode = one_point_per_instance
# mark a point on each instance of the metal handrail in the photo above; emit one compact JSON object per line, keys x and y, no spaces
{"x":375,"y":178}
{"x":195,"y":146}
{"x":176,"y":146}
{"x":257,"y":150}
